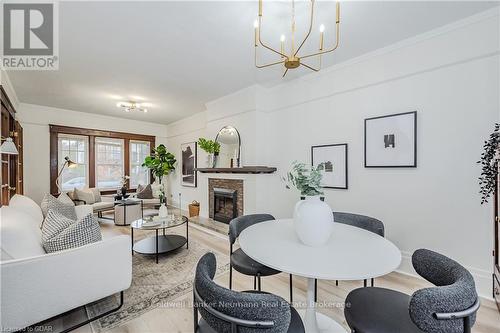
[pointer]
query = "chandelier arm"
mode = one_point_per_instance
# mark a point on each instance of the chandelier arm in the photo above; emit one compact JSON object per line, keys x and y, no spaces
{"x":286,"y":71}
{"x":264,"y":45}
{"x":337,"y":34}
{"x":311,"y":68}
{"x":267,"y":65}
{"x":310,"y":29}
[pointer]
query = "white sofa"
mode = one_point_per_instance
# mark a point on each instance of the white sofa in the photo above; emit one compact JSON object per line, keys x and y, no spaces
{"x":36,"y":286}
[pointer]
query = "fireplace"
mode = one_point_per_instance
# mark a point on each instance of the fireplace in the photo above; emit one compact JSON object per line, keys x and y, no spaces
{"x":225,"y":199}
{"x":225,"y":204}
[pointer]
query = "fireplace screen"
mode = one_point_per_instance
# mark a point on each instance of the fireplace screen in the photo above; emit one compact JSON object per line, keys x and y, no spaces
{"x":225,"y":205}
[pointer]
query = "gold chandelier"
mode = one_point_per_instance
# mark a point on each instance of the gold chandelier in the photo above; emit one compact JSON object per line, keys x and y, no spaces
{"x":294,"y":59}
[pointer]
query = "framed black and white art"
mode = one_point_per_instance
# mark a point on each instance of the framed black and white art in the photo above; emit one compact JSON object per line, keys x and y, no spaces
{"x":189,"y":157}
{"x":391,"y":141}
{"x":334,"y":158}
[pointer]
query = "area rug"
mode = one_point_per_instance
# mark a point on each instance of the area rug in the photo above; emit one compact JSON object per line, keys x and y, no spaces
{"x":154,"y":284}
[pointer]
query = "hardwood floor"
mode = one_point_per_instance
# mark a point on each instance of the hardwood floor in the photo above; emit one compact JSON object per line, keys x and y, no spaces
{"x":177,"y":315}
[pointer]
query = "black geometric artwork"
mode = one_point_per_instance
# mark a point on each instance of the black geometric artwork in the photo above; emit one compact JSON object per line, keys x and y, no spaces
{"x":389,"y":141}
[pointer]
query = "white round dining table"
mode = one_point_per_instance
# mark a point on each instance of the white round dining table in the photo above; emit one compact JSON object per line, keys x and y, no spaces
{"x":351,"y":253}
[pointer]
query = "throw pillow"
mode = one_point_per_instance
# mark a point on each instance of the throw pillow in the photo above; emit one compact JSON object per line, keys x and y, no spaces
{"x":50,"y":202}
{"x":97,"y":194}
{"x":64,"y":198}
{"x":86,"y":195}
{"x":144,"y":192}
{"x":54,"y":224}
{"x":76,"y":234}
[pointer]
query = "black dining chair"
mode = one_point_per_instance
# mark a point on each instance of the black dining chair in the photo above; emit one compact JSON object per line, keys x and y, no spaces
{"x":225,"y":310}
{"x":449,"y":307}
{"x":240,"y":261}
{"x":360,"y":221}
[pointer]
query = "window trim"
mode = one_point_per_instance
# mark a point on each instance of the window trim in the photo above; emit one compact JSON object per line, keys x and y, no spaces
{"x":55,"y":130}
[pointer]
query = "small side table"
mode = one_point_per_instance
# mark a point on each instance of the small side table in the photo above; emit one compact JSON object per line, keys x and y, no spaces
{"x":158,"y":244}
{"x":127,"y":211}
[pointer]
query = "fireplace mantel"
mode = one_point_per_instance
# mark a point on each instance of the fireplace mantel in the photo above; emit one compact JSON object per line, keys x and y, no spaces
{"x":245,"y":169}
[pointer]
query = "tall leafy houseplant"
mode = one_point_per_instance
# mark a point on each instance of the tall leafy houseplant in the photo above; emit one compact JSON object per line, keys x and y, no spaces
{"x":489,"y":162}
{"x":212,"y":148}
{"x":161,"y":162}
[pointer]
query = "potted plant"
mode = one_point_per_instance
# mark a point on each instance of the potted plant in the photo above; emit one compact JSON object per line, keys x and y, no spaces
{"x":312,"y":218}
{"x":161,"y":163}
{"x":212,"y":148}
{"x":489,"y":162}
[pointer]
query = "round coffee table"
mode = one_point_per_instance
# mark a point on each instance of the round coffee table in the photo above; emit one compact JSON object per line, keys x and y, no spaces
{"x":350,"y":254}
{"x":158,"y":244}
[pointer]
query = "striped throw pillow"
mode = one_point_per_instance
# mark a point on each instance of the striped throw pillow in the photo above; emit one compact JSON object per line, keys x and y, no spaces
{"x":62,"y":233}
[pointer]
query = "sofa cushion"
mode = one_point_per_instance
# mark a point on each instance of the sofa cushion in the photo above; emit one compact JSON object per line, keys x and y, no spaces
{"x":20,"y":235}
{"x":144,"y":192}
{"x":27,"y":205}
{"x":86,"y":195}
{"x":102,"y":205}
{"x":97,"y":194}
{"x":50,"y":202}
{"x":74,"y":234}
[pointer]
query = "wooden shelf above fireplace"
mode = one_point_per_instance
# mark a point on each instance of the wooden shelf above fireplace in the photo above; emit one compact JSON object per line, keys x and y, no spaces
{"x":245,"y":169}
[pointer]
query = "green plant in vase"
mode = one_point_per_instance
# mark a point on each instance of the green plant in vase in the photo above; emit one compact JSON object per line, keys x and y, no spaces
{"x":161,"y":162}
{"x":312,"y":218}
{"x":305,"y":179}
{"x":212,"y":148}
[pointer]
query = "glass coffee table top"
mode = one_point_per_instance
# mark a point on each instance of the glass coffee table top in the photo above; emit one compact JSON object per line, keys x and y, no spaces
{"x":155,"y":223}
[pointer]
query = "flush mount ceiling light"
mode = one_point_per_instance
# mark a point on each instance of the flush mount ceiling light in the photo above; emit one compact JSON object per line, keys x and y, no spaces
{"x":132,"y":106}
{"x":293,"y":59}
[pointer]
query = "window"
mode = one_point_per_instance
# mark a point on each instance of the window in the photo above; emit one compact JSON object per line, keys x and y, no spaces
{"x":76,"y":148}
{"x":109,"y":162}
{"x":138,"y":152}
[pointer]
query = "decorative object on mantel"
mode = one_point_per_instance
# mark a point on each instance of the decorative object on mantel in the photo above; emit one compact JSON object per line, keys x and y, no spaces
{"x":245,"y":169}
{"x":189,"y":157}
{"x":312,"y":218}
{"x":161,"y":163}
{"x":334,"y":160}
{"x":490,"y":158}
{"x":123,"y":183}
{"x":292,"y":59}
{"x":211,"y":148}
{"x":391,"y":141}
{"x":229,"y":141}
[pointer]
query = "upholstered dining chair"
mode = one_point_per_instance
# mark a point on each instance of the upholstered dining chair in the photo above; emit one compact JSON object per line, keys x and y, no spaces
{"x":360,"y":221}
{"x":225,"y":310}
{"x":449,"y":307}
{"x":243,"y":263}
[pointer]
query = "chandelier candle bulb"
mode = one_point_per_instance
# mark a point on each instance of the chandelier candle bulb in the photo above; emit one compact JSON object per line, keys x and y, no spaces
{"x":338,"y":12}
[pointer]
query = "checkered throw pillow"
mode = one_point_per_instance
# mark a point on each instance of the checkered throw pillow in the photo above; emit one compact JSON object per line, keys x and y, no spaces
{"x":63,"y":207}
{"x":60,"y":233}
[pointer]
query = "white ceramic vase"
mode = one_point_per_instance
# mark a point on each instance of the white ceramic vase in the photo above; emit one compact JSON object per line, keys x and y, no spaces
{"x":313,"y":221}
{"x":210,"y":161}
{"x":163,"y":211}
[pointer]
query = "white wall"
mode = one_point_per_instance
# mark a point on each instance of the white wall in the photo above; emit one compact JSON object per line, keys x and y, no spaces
{"x":35,"y":120}
{"x":9,"y":89}
{"x":449,"y":75}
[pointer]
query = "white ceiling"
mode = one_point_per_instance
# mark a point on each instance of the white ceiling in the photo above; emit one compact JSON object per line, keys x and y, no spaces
{"x":179,"y":55}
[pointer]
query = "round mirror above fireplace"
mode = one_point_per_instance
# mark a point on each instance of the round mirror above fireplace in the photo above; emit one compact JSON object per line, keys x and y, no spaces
{"x":230,"y":147}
